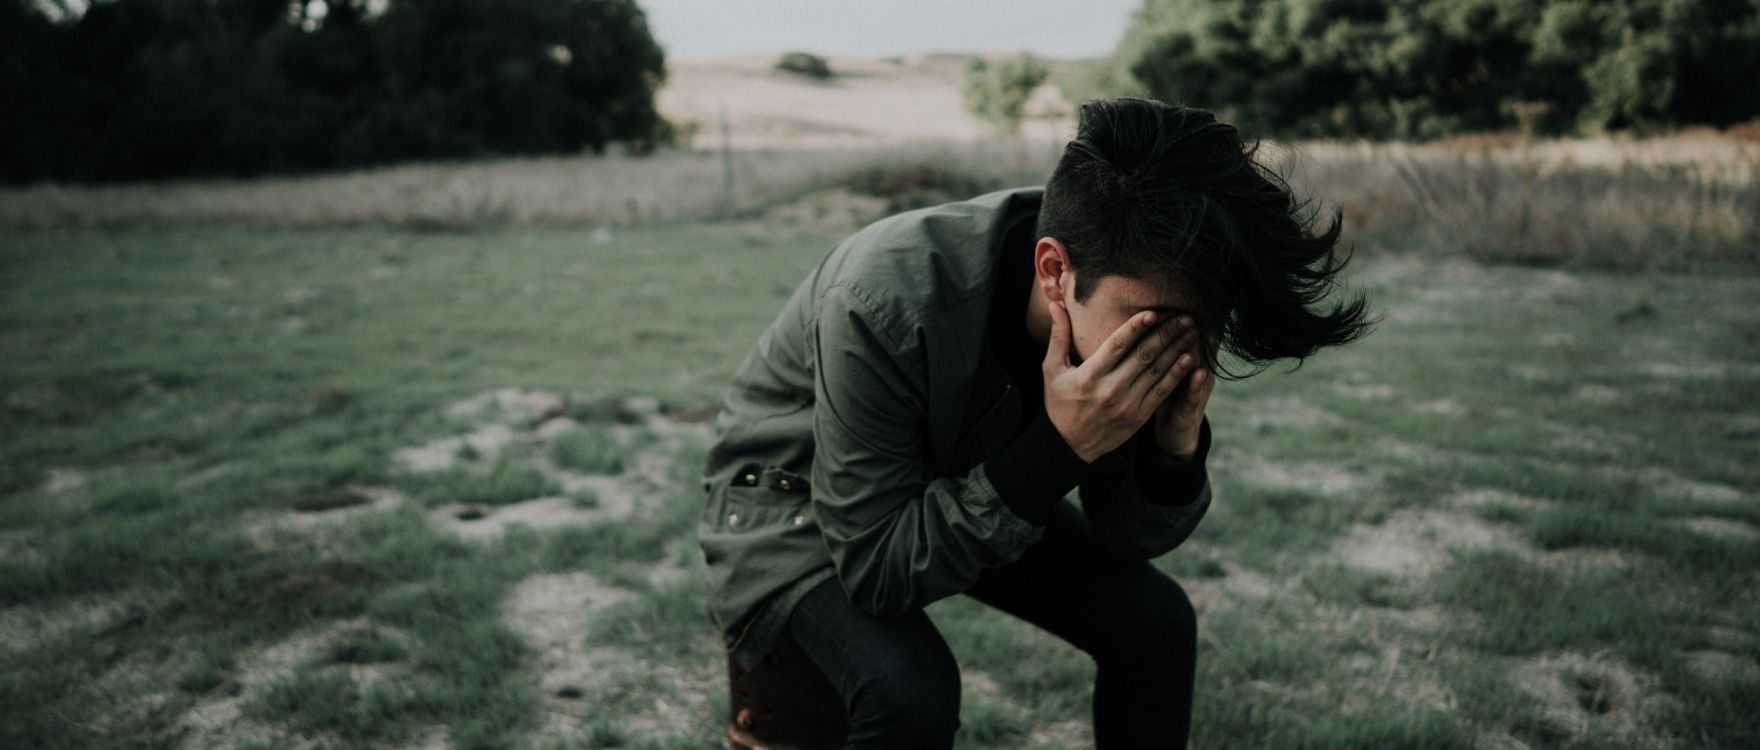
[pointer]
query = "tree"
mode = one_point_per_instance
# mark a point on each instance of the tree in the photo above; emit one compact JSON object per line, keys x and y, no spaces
{"x":997,"y":94}
{"x":1425,"y":68}
{"x":157,"y":88}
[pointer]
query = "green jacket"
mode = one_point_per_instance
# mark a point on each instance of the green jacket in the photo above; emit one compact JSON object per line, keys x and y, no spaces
{"x":853,"y":438}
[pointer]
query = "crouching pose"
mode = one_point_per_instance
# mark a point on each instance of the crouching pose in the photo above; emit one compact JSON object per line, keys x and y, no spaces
{"x":910,"y":425}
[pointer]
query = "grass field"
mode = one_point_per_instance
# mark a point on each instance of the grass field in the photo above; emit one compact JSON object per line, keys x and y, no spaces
{"x":390,"y":488}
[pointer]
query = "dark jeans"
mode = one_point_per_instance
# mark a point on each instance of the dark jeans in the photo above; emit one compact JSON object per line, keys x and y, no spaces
{"x":900,"y":683}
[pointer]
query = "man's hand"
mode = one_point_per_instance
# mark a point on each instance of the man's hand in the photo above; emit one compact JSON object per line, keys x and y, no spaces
{"x":1178,"y":420}
{"x":1098,"y":406}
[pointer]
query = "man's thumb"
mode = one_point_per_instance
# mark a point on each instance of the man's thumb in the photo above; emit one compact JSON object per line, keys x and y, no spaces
{"x":1057,"y":353}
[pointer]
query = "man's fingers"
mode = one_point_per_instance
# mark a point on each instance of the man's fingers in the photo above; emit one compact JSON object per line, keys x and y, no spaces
{"x":1161,"y":392}
{"x":1199,"y":392}
{"x":1172,"y":340}
{"x":1121,"y":343}
{"x":1057,"y":353}
{"x":1161,"y":388}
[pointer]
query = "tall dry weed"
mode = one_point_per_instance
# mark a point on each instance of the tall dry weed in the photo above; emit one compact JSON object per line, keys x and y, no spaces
{"x":1666,"y":204}
{"x":617,"y":190}
{"x":1688,"y":201}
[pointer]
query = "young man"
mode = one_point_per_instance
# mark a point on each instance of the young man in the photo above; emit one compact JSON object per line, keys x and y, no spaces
{"x":909,"y":426}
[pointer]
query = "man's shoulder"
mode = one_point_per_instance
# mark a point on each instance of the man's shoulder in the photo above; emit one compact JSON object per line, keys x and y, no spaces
{"x":929,"y":259}
{"x":955,"y":222}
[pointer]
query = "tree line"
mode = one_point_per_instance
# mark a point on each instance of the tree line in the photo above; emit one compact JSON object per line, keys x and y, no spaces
{"x":1427,"y":68}
{"x":141,"y":89}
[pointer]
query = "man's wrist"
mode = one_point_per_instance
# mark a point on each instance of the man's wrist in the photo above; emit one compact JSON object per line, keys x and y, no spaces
{"x":1189,"y":452}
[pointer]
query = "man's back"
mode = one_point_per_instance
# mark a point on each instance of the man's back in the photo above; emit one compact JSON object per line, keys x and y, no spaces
{"x":912,"y":294}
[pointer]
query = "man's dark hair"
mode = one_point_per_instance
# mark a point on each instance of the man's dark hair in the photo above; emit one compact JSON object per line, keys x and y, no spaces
{"x":1154,"y":191}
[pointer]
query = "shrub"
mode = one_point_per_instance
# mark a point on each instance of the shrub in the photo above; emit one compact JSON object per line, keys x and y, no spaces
{"x":909,"y":186}
{"x":804,"y":64}
{"x":997,"y":94}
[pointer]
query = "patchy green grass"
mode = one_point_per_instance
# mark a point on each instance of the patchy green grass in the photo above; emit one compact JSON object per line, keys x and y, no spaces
{"x":591,"y":450}
{"x":1520,"y":469}
{"x":507,"y":480}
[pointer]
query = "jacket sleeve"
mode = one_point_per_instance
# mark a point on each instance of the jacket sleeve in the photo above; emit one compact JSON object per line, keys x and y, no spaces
{"x":898,"y":537}
{"x":1140,"y":511}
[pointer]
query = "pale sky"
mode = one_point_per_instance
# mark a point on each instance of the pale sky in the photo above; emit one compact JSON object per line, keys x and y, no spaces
{"x":702,"y":29}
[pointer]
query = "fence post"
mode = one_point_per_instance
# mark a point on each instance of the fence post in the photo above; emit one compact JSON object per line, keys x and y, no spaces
{"x":727,"y":203}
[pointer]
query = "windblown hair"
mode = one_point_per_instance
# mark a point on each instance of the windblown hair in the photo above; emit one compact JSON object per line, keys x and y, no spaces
{"x":1163,"y":192}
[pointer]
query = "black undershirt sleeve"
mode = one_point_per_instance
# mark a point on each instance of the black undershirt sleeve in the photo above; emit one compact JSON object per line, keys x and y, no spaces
{"x":1165,"y":482}
{"x":1035,"y":471}
{"x":1039,"y":468}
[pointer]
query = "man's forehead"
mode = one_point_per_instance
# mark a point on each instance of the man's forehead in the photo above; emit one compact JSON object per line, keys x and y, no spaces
{"x":1165,"y":294}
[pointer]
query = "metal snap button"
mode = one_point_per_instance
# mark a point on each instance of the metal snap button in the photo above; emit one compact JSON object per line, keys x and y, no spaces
{"x":732,"y":518}
{"x":798,"y":520}
{"x":751,"y":478}
{"x":785,"y":484}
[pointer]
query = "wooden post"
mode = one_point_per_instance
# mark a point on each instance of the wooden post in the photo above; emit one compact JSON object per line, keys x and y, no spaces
{"x":727,"y":202}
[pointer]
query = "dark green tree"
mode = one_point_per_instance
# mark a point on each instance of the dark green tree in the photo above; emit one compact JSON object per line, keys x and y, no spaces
{"x":159,"y":88}
{"x":1425,"y":68}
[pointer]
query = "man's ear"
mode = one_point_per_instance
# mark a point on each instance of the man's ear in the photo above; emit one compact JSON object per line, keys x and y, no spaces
{"x":1051,"y":269}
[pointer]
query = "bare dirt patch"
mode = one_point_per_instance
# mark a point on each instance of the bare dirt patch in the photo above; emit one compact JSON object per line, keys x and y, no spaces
{"x":1418,"y":542}
{"x":552,"y":611}
{"x":1721,"y":667}
{"x":65,"y":479}
{"x":638,"y":425}
{"x":1398,"y":671}
{"x":1670,"y":484}
{"x":1316,"y":476}
{"x":683,"y":561}
{"x":555,"y":426}
{"x":1687,"y":370}
{"x":1366,"y":391}
{"x":442,"y":454}
{"x":1600,"y":395}
{"x":218,"y":720}
{"x":1479,"y":498}
{"x":1062,"y":735}
{"x":1442,"y":407}
{"x":976,"y":683}
{"x":1283,"y":412}
{"x":27,"y":626}
{"x":1400,"y":449}
{"x":1591,"y":560}
{"x":552,"y":614}
{"x":507,"y":406}
{"x":1723,"y":528}
{"x":1241,"y":583}
{"x":1596,"y":699}
{"x":477,"y":522}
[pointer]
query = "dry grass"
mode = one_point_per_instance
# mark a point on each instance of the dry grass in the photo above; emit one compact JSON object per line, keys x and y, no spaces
{"x":1682,"y":202}
{"x":616,"y":190}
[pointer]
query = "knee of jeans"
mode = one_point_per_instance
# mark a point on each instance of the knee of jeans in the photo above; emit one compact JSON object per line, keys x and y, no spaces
{"x":1160,"y":625}
{"x":920,"y":707}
